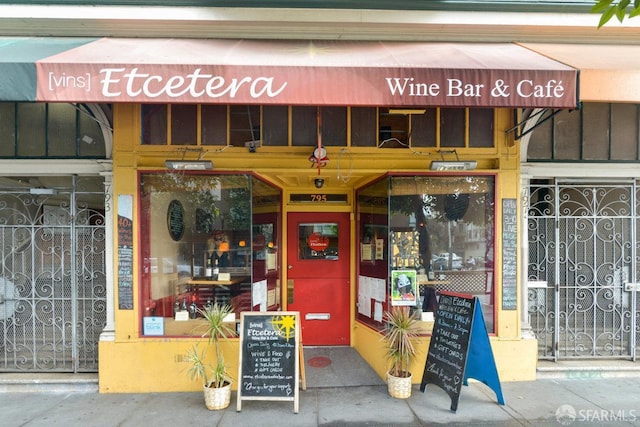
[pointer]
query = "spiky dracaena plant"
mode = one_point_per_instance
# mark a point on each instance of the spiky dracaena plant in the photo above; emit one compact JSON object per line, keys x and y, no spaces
{"x":212,"y":375}
{"x":400,"y":331}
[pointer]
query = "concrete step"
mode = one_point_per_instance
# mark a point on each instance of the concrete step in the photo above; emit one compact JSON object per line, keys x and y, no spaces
{"x":48,"y":382}
{"x":587,"y":369}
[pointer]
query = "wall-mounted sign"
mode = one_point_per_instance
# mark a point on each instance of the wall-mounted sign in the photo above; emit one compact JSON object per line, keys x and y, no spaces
{"x":318,"y":198}
{"x":125,"y":252}
{"x":509,"y":252}
{"x":175,"y":220}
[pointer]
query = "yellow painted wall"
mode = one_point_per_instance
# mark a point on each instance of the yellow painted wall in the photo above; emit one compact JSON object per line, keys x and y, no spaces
{"x":156,"y":364}
{"x":135,"y":364}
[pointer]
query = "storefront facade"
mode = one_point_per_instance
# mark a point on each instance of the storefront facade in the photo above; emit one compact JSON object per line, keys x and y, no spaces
{"x":284,"y":240}
{"x":316,"y":174}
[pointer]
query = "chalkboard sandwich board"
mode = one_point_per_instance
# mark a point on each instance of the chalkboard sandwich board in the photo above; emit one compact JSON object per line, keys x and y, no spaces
{"x":269,"y":357}
{"x":459,"y":348}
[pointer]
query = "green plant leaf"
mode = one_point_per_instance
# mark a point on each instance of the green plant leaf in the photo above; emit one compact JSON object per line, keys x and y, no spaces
{"x":622,"y":9}
{"x":212,"y":374}
{"x":601,"y":6}
{"x":606,"y":16}
{"x":399,"y":333}
{"x":197,"y":371}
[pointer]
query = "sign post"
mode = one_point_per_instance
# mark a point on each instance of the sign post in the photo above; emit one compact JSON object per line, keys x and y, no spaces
{"x":269,"y":357}
{"x":460,"y":348}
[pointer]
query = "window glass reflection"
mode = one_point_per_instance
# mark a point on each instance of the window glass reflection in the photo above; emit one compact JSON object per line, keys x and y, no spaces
{"x":440,"y":237}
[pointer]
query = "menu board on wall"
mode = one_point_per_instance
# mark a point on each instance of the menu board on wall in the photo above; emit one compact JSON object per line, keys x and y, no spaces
{"x":509,"y":251}
{"x":175,"y":220}
{"x":269,"y":357}
{"x":125,"y":252}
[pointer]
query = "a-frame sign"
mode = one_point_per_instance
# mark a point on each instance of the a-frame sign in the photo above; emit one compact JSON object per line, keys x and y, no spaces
{"x":460,"y":348}
{"x":269,"y":366}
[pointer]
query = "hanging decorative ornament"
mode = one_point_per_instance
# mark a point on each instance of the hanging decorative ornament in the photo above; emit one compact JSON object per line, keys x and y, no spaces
{"x":319,"y":157}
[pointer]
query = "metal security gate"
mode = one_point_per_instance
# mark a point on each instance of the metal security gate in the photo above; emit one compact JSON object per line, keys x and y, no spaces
{"x":52,"y":273}
{"x":583,"y":267}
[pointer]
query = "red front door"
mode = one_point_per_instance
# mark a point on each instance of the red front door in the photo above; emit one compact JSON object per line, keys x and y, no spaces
{"x":318,"y":275}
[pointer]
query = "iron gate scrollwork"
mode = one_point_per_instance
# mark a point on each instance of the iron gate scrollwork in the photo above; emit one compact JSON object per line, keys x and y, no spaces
{"x":52,"y":274}
{"x":583,"y":250}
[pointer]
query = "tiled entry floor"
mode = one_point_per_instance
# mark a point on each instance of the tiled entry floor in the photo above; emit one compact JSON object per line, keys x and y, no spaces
{"x":337,"y":367}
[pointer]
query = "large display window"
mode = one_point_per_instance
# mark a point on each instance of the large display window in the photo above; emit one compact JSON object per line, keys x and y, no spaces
{"x":206,"y":239}
{"x":423,"y":234}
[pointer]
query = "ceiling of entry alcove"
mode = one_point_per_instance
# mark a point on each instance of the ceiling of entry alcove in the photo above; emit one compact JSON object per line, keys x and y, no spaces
{"x":331,"y":179}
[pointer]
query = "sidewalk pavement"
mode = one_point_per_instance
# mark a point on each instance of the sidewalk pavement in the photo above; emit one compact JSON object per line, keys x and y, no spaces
{"x":544,"y":402}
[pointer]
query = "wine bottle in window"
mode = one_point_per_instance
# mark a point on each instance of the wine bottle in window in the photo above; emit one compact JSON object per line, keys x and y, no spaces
{"x":193,"y":308}
{"x":176,"y":305}
{"x":208,"y":271}
{"x":216,"y":269}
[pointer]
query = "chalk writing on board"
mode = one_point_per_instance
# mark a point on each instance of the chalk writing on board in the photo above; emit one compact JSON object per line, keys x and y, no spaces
{"x":125,"y":262}
{"x":269,"y":350}
{"x":175,"y":220}
{"x":460,"y":348}
{"x":447,"y":356}
{"x":509,"y":254}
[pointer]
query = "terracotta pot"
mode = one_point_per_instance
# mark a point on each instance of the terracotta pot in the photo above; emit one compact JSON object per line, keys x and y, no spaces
{"x":399,"y":387}
{"x":217,"y":398}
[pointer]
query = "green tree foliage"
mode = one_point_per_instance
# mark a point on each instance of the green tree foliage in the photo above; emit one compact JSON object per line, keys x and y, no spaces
{"x":620,"y":9}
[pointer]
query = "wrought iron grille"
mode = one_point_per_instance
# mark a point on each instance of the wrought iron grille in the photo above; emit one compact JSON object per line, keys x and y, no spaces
{"x":583,"y":247}
{"x":52,"y":273}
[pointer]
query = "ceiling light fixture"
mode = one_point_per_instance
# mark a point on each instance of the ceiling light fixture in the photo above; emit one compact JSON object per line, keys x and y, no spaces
{"x":189,"y":165}
{"x":453,"y":166}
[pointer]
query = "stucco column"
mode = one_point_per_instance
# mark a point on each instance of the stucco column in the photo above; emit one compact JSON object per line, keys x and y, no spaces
{"x":525,"y":326}
{"x":108,"y":333}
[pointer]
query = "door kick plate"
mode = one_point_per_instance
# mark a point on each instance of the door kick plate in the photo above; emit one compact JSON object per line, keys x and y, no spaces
{"x":317,"y":316}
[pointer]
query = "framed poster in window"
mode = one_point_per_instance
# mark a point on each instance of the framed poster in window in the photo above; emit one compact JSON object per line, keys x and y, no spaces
{"x":404,"y":287}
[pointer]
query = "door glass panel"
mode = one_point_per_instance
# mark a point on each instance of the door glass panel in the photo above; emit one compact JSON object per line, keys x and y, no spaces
{"x":318,"y":241}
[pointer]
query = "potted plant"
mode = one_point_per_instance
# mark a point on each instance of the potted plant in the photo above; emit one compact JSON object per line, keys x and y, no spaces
{"x":214,"y":376}
{"x":400,"y":331}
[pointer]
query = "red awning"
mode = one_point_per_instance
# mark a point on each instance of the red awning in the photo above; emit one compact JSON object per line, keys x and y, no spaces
{"x":357,"y":73}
